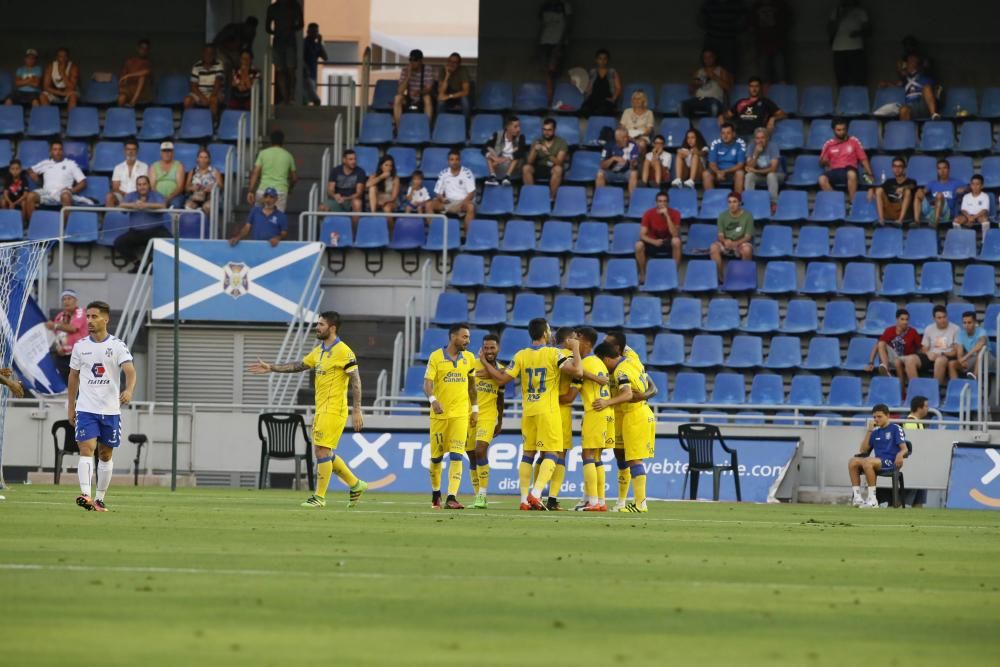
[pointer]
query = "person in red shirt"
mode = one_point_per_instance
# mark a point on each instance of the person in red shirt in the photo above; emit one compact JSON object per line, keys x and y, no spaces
{"x":840,"y":157}
{"x":895,"y":343}
{"x":659,"y":234}
{"x":69,"y":326}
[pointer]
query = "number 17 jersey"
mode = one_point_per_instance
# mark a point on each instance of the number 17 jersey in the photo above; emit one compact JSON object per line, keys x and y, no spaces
{"x":538,"y":368}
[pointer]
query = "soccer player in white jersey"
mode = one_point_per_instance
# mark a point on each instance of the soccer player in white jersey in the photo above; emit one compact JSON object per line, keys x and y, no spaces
{"x":95,"y":401}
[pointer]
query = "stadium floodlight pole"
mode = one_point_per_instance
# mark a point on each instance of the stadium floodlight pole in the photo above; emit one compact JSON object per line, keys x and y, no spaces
{"x":177,"y":326}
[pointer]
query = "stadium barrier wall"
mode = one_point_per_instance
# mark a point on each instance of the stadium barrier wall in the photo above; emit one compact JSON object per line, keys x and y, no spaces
{"x":974,"y":478}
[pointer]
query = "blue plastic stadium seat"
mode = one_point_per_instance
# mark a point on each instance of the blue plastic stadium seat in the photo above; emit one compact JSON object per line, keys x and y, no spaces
{"x":788,"y":134}
{"x":979,"y":282}
{"x":11,"y":120}
{"x":44,"y":122}
{"x":637,"y":341}
{"x":723,"y":315}
{"x":531,"y":128}
{"x":645,"y":312}
{"x":859,"y":350}
{"x":608,"y":311}
{"x":706,"y":351}
{"x":820,"y":278}
{"x":533,"y":201}
{"x":229,"y":125}
{"x":115,"y":224}
{"x":990,"y":107}
{"x":746,"y":352}
{"x":505,"y":272}
{"x":567,"y":311}
{"x":78,"y":152}
{"x":583,"y":167}
{"x":921,"y":168}
{"x":668,"y":102}
{"x":406,"y":161}
{"x":376,"y":128}
{"x":368,"y":160}
{"x":512,"y":340}
{"x":518,"y":236}
{"x":452,"y":308}
{"x":172,"y":89}
{"x":937,"y":136}
{"x":595,"y":124}
{"x":571,"y":202}
{"x":685,"y":201}
{"x":709,"y":128}
{"x":955,"y":310}
{"x":848,"y":243}
{"x":887,"y":95}
{"x":675,"y":129}
{"x":959,"y":245}
{"x":935,"y":278}
{"x":484,"y":125}
{"x":449,"y":129}
{"x":990,"y":319}
{"x":543,"y":273}
{"x":853,"y":101}
{"x":863,"y":210}
{"x":839,"y":319}
{"x":884,"y":390}
{"x":661,"y":276}
{"x":6,"y":84}
{"x":436,"y":237}
{"x":157,"y":124}
{"x":583,"y":273}
{"x":336,"y":232}
{"x":768,"y":390}
{"x":829,"y":207}
{"x":413,"y":382}
{"x":82,"y":123}
{"x":608,"y":202}
{"x":490,"y":310}
{"x":729,"y":388}
{"x":823,"y":354}
{"x":466,"y":271}
{"x":976,"y":137}
{"x":495,"y":96}
{"x":531,"y":96}
{"x":96,"y":189}
{"x":921,"y":244}
{"x":887,"y":243}
{"x":927,"y":387}
{"x":433,"y":161}
{"x":621,"y":274}
{"x":566,"y":97}
{"x":898,"y":280}
{"x":641,"y":201}
{"x":779,"y":278}
{"x":668,"y":350}
{"x":527,"y":307}
{"x":845,"y":390}
{"x":701,"y":276}
{"x":866,"y":131}
{"x":762,"y":316}
{"x":659,"y":378}
{"x":805,"y":173}
{"x":921,"y":314}
{"x":805,"y":390}
{"x":899,"y":136}
{"x":859,"y":279}
{"x":685,"y":314}
{"x":497,"y":201}
{"x":713,"y":202}
{"x":958,"y":98}
{"x":624,"y":237}
{"x":434,"y":338}
{"x":758,"y":203}
{"x":700,"y":238}
{"x":961,"y":167}
{"x":195,"y":124}
{"x":408,"y":234}
{"x":414,"y":129}
{"x":43,"y":225}
{"x":592,"y":238}
{"x":81,"y":227}
{"x":569,"y":130}
{"x":740,"y":276}
{"x":793,"y":206}
{"x":384,"y":94}
{"x":217,"y":152}
{"x":800,"y":317}
{"x":819,"y":133}
{"x":557,"y":237}
{"x":647,"y":88}
{"x":6,"y":153}
{"x":775,"y":242}
{"x":689,"y":388}
{"x":953,"y":393}
{"x":785,"y":353}
{"x":990,"y":251}
{"x":10,"y":225}
{"x":814,"y":242}
{"x":32,"y":151}
{"x":107,"y":154}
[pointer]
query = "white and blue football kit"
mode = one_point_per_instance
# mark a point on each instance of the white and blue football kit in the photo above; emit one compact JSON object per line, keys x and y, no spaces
{"x":98,"y":408}
{"x":886,"y":443}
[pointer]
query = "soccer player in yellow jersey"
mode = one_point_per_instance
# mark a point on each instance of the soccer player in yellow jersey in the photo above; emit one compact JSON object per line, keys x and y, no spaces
{"x":598,"y":432}
{"x":569,"y":388}
{"x":451,"y":390}
{"x":336,"y":367}
{"x":538,"y":368}
{"x":489,"y":398}
{"x":617,"y":339}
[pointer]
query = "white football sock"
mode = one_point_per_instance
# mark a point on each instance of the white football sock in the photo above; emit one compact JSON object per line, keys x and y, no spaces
{"x":105,"y":469}
{"x":871,"y":493}
{"x":85,"y":470}
{"x":857,"y":491}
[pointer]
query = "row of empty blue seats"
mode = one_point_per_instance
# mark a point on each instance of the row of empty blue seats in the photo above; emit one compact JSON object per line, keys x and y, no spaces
{"x":170,"y":89}
{"x":119,"y":123}
{"x":107,"y":154}
{"x":81,"y":226}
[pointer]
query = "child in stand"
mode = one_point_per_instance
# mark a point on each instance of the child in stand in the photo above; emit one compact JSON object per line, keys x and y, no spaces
{"x":417,"y":196}
{"x":15,"y":188}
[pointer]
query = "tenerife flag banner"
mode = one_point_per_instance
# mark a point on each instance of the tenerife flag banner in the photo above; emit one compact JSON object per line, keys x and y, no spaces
{"x":399,"y":461}
{"x":974,"y":480}
{"x":248,"y":282}
{"x":32,"y":357}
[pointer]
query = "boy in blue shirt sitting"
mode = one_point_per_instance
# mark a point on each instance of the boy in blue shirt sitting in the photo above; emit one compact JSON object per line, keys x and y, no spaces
{"x":889,"y":444}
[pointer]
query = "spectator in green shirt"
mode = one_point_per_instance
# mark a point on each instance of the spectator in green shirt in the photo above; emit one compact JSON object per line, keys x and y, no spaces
{"x":735,"y":233}
{"x":274,"y":168}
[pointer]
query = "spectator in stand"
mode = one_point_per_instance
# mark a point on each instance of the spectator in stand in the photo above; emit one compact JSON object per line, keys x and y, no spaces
{"x":546,"y":159}
{"x":505,"y":151}
{"x":723,"y":22}
{"x":312,"y":51}
{"x":207,"y":77}
{"x":265,"y":222}
{"x":143,"y":226}
{"x":752,"y":112}
{"x":201,"y":181}
{"x":709,"y":86}
{"x":938,"y":349}
{"x":847,"y":28}
{"x":893,"y":347}
{"x":554,"y":18}
{"x":234,"y":38}
{"x":840,"y":157}
{"x":888,"y":443}
{"x":383,"y":187}
{"x":61,"y":81}
{"x":769,"y":20}
{"x":735,"y":233}
{"x":764,"y":163}
{"x":417,"y":197}
{"x":27,"y":82}
{"x":727,"y":158}
{"x":125,"y":174}
{"x":62,"y":182}
{"x":919,"y":101}
{"x":69,"y":326}
{"x":975,"y":208}
{"x":135,"y":83}
{"x":604,"y":88}
{"x":638,"y":120}
{"x":691,"y":158}
{"x":241,"y":81}
{"x":659,"y":234}
{"x":345,"y":189}
{"x":893,"y":198}
{"x":284,"y":21}
{"x":937,"y":201}
{"x":167,"y":176}
{"x":416,"y":85}
{"x":619,"y":162}
{"x":16,"y":189}
{"x":971,"y":339}
{"x":656,"y":165}
{"x":455,"y":191}
{"x":274,"y":168}
{"x":454,"y":93}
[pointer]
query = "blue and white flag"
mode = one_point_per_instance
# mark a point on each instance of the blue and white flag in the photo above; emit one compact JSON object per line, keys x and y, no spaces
{"x":249,"y":282}
{"x":32,"y":351}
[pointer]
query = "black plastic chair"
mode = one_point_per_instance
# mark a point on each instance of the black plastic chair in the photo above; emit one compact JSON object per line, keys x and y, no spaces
{"x":137,"y":439}
{"x":69,"y":446}
{"x":698,"y":440}
{"x":897,"y":478}
{"x":279,"y":443}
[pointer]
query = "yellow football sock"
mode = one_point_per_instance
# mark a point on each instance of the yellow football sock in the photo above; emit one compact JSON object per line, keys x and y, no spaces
{"x":601,"y":481}
{"x":589,"y":480}
{"x":435,"y":474}
{"x":624,"y":479}
{"x":324,"y":471}
{"x":544,"y":474}
{"x":639,"y":483}
{"x":341,"y":470}
{"x":454,"y":474}
{"x":534,"y":471}
{"x":474,"y":473}
{"x":524,"y":474}
{"x":558,"y":475}
{"x":483,"y":469}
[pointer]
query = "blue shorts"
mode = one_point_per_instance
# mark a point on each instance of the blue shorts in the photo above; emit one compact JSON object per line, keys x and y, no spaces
{"x":888,"y":464}
{"x":617,"y":176}
{"x":106,"y":428}
{"x":838,"y":177}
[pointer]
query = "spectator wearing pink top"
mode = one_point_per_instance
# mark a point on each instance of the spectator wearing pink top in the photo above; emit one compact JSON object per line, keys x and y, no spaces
{"x":840,"y":157}
{"x":70,"y":325}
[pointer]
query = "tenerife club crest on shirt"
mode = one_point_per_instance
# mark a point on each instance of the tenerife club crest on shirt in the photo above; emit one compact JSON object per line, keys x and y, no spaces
{"x":235,"y":279}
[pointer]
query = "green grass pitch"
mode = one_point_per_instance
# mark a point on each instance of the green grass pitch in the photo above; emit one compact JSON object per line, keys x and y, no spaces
{"x":206,"y":577}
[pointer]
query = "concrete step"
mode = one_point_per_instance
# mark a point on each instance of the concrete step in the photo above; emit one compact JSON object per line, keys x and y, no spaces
{"x":293,"y":113}
{"x":308,"y":158}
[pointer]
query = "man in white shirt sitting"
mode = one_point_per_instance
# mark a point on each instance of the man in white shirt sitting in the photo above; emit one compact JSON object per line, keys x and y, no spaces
{"x":975,"y":208}
{"x":62,"y":181}
{"x":125,"y":174}
{"x":455,"y":191}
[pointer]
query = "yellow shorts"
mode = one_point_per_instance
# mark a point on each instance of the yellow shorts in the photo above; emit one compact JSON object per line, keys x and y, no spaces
{"x":448,"y":435}
{"x":637,"y":431}
{"x":542,"y":433}
{"x":598,"y":429}
{"x":481,"y":432}
{"x":327,"y":430}
{"x":567,"y":427}
{"x":619,"y":441}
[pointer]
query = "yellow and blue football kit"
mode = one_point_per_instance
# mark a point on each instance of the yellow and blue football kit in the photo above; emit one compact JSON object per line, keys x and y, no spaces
{"x":598,"y":430}
{"x":566,"y":409}
{"x":450,"y":380}
{"x":488,"y":394}
{"x":638,"y":427}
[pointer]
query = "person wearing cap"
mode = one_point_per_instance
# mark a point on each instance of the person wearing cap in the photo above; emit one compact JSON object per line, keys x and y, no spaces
{"x":143,"y":224}
{"x":416,"y":84}
{"x":274,"y":168}
{"x":27,"y":82}
{"x":735,"y":233}
{"x":265,"y":222}
{"x":167,"y":177}
{"x":69,"y":326}
{"x":125,"y":174}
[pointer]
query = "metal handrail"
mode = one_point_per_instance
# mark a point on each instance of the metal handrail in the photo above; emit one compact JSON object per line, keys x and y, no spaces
{"x":380,"y":383}
{"x":397,"y":366}
{"x":352,"y":109}
{"x":996,"y":377}
{"x":409,"y":330}
{"x":241,"y":153}
{"x":366,"y":75}
{"x":425,"y":293}
{"x":229,"y":195}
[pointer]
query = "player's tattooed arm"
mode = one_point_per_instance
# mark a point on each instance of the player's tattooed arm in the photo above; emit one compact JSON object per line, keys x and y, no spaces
{"x":263,"y":367}
{"x":357,"y":417}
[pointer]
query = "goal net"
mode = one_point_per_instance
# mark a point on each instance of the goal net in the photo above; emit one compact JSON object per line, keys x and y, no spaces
{"x":19,"y":265}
